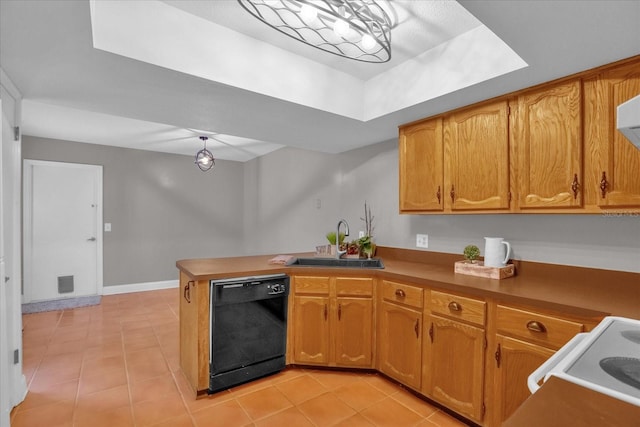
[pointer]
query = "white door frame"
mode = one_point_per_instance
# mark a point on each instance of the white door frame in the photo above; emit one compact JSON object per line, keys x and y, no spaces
{"x":28,"y":218}
{"x":13,"y":387}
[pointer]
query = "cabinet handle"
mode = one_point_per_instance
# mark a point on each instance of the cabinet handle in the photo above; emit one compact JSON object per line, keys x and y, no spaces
{"x":452,"y":193}
{"x":497,"y":356}
{"x":431,"y":332}
{"x":604,"y":184}
{"x":575,"y":186}
{"x":400,"y":293}
{"x":438,"y":195}
{"x":187,"y":291}
{"x":536,"y":326}
{"x":339,"y":311}
{"x":325,"y":312}
{"x":454,"y":306}
{"x":417,"y":328}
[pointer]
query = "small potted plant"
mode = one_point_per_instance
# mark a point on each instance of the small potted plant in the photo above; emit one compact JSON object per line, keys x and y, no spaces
{"x":367,"y":247}
{"x":353,"y":249}
{"x":471,"y":253}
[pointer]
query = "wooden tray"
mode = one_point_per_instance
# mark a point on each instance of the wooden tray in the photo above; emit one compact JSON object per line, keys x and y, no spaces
{"x":478,"y":269}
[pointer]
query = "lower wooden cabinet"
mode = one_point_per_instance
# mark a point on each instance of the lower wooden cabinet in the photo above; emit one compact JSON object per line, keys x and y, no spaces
{"x":515,"y":361}
{"x":454,"y":353}
{"x":311,"y":332}
{"x":353,"y":332}
{"x":400,"y":334}
{"x":472,"y":355}
{"x":333,"y":321}
{"x":524,"y":340}
{"x":194,"y":332}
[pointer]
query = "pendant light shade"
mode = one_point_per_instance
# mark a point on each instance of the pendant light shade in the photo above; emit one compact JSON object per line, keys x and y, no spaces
{"x":204,"y":158}
{"x":355,"y":29}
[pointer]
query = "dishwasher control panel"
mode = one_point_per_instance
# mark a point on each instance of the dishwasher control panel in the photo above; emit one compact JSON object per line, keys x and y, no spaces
{"x":244,"y":289}
{"x":276,"y":288}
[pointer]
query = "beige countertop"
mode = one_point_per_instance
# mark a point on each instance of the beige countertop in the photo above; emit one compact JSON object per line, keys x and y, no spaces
{"x":575,"y":290}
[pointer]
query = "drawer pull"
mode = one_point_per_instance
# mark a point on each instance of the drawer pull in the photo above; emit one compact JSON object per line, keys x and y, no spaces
{"x":536,"y":326}
{"x":454,"y":306}
{"x":400,"y":293}
{"x":339,"y":311}
{"x":431,"y":332}
{"x":325,"y":312}
{"x":417,"y":328}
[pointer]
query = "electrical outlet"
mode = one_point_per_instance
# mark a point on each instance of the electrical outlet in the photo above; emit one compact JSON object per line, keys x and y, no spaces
{"x":422,"y":240}
{"x":360,"y":234}
{"x":107,"y":226}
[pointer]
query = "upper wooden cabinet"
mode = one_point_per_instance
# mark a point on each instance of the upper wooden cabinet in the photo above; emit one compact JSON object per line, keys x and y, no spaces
{"x":614,"y":163}
{"x":547,"y":137}
{"x":549,"y":149}
{"x":477,"y":158}
{"x":421,"y":168}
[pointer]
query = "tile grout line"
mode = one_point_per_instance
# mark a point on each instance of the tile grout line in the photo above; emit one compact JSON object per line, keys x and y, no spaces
{"x":126,"y":372}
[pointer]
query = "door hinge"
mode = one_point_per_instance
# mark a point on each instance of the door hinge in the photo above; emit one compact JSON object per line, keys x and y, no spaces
{"x":16,"y":356}
{"x":16,"y":133}
{"x":483,"y":410}
{"x":509,"y":196}
{"x":485,"y":343}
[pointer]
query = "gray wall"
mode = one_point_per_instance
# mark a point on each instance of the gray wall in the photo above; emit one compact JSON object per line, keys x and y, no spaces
{"x":163,"y":209}
{"x":296,"y":179}
{"x":161,"y":206}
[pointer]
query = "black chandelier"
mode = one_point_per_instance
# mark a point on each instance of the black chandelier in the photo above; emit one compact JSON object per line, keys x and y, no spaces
{"x":204,"y":158}
{"x":355,"y":29}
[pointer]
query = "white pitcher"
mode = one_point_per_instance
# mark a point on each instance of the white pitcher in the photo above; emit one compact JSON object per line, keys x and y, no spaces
{"x":494,"y":256}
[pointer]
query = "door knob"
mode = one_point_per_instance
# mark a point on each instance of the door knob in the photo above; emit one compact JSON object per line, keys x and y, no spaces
{"x":91,"y":239}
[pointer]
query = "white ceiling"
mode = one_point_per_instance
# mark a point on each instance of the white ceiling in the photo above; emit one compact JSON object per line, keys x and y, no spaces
{"x":254,"y":90}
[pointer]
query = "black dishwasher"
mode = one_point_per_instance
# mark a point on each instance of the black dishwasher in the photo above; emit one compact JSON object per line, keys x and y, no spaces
{"x":248,"y":329}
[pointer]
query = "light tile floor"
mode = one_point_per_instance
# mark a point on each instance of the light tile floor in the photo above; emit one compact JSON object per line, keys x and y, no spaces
{"x":117,"y":364}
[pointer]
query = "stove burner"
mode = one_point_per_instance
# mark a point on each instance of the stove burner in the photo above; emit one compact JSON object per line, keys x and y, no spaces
{"x":625,"y":369}
{"x":631,"y":336}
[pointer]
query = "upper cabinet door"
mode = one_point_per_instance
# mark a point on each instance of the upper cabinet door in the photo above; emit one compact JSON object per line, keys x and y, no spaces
{"x":548,"y":144}
{"x":420,"y":156}
{"x":614,"y":178}
{"x":477,"y":158}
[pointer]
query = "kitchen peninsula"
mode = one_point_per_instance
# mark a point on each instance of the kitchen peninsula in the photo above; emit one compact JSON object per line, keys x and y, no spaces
{"x":489,"y":320}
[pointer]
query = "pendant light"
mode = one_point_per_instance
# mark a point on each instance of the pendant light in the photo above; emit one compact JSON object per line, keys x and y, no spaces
{"x":354,"y":29}
{"x":204,"y":158}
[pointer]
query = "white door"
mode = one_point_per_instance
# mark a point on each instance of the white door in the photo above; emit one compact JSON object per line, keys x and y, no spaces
{"x":62,"y":230}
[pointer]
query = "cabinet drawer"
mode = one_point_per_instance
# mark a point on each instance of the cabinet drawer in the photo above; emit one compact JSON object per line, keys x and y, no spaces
{"x":549,"y":330}
{"x":354,"y":286}
{"x":467,"y":309}
{"x":404,"y":294}
{"x":316,"y":285}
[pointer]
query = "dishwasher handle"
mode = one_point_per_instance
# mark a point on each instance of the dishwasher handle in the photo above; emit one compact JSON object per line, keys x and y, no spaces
{"x":544,"y":369}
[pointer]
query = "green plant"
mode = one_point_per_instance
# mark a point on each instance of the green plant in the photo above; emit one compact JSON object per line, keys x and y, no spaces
{"x":366,"y":246}
{"x":331,"y":237}
{"x":471,"y":253}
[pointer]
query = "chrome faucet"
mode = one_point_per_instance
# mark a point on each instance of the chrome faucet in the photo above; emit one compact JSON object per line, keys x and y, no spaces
{"x":339,"y":253}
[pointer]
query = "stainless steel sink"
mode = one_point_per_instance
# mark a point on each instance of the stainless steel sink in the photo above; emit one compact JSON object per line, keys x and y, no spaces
{"x":334,"y":262}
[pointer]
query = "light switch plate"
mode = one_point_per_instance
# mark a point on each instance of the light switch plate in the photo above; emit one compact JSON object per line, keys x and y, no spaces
{"x":422,"y":240}
{"x":107,"y":226}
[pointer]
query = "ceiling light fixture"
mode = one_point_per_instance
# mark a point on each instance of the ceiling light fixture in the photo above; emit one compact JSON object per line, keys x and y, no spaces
{"x":355,"y":29}
{"x":204,"y":158}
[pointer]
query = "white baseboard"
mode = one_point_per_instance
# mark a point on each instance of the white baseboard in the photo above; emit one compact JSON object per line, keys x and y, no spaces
{"x":139,"y":287}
